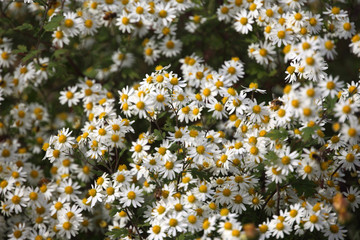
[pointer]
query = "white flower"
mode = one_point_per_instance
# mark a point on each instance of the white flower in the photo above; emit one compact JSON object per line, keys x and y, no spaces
{"x":70,"y":96}
{"x":131,"y":196}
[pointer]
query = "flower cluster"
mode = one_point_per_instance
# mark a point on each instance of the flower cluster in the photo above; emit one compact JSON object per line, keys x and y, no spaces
{"x":189,"y":151}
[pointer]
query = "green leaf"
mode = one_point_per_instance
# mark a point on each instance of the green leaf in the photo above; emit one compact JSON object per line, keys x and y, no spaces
{"x":308,"y":132}
{"x":20,"y":49}
{"x":169,"y":126}
{"x":174,"y":147}
{"x":30,"y":55}
{"x":271,"y":155}
{"x":201,"y":174}
{"x":54,"y":23}
{"x":113,"y":211}
{"x":162,"y":115}
{"x":276,"y":134}
{"x":197,"y":128}
{"x":159,"y":135}
{"x":90,"y":72}
{"x":304,"y":187}
{"x":118,"y":233}
{"x":25,"y":26}
{"x":58,"y":53}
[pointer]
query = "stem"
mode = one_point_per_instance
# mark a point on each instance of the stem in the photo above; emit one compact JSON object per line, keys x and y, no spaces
{"x":132,"y":223}
{"x":278,"y":199}
{"x":337,"y":169}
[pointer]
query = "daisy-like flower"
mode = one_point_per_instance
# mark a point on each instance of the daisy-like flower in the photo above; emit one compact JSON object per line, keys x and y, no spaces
{"x":64,"y":139}
{"x":60,"y":38}
{"x":71,"y":24}
{"x":243,"y":22}
{"x":256,"y":111}
{"x":139,"y":149}
{"x":194,"y":23}
{"x":349,"y":159}
{"x":140,"y":105}
{"x":295,"y":214}
{"x":280,"y":35}
{"x":69,"y":190}
{"x":327,"y":48}
{"x":314,"y":67}
{"x":353,"y":197}
{"x":123,"y":59}
{"x":151,"y":52}
{"x":170,"y":47}
{"x":123,"y":22}
{"x":19,"y":232}
{"x":330,"y":86}
{"x":232,"y":69}
{"x":131,"y":196}
{"x":67,"y":229}
{"x":157,"y":231}
{"x":6,"y":57}
{"x":16,"y":200}
{"x":165,"y":13}
{"x":265,"y":54}
{"x":350,"y":132}
{"x":95,"y":195}
{"x":314,"y":220}
{"x":345,"y":109}
{"x":344,"y":28}
{"x":334,"y":232}
{"x":287,"y":161}
{"x":279,"y":228}
{"x":217,"y":108}
{"x":70,"y":96}
{"x":90,"y":24}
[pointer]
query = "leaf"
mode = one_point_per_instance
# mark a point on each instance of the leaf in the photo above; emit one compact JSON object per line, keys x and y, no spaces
{"x":169,"y":126}
{"x":54,"y":23}
{"x":197,"y":128}
{"x":118,"y":232}
{"x":60,"y":52}
{"x":30,"y":55}
{"x":174,"y":147}
{"x":159,"y":135}
{"x":113,"y":211}
{"x":276,"y":134}
{"x":20,"y":49}
{"x":25,"y":26}
{"x":201,"y":174}
{"x":304,"y":187}
{"x":271,"y":155}
{"x":162,"y":115}
{"x":308,"y":132}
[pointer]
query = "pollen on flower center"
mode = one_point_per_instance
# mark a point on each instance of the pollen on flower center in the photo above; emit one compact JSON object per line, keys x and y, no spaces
{"x":68,"y":190}
{"x":131,"y":195}
{"x":69,"y":95}
{"x":173,"y":222}
{"x":68,"y":23}
{"x":218,"y":107}
{"x":88,"y":23}
{"x":256,"y":109}
{"x":162,"y":13}
{"x":66,"y":225}
{"x":200,"y":149}
{"x":281,"y":34}
{"x":62,"y":138}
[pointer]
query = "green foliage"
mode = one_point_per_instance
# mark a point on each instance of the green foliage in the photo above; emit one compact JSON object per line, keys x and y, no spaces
{"x":118,"y":233}
{"x":271,"y":156}
{"x":277,"y":134}
{"x":24,"y":27}
{"x":54,"y":23}
{"x":307,"y":132}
